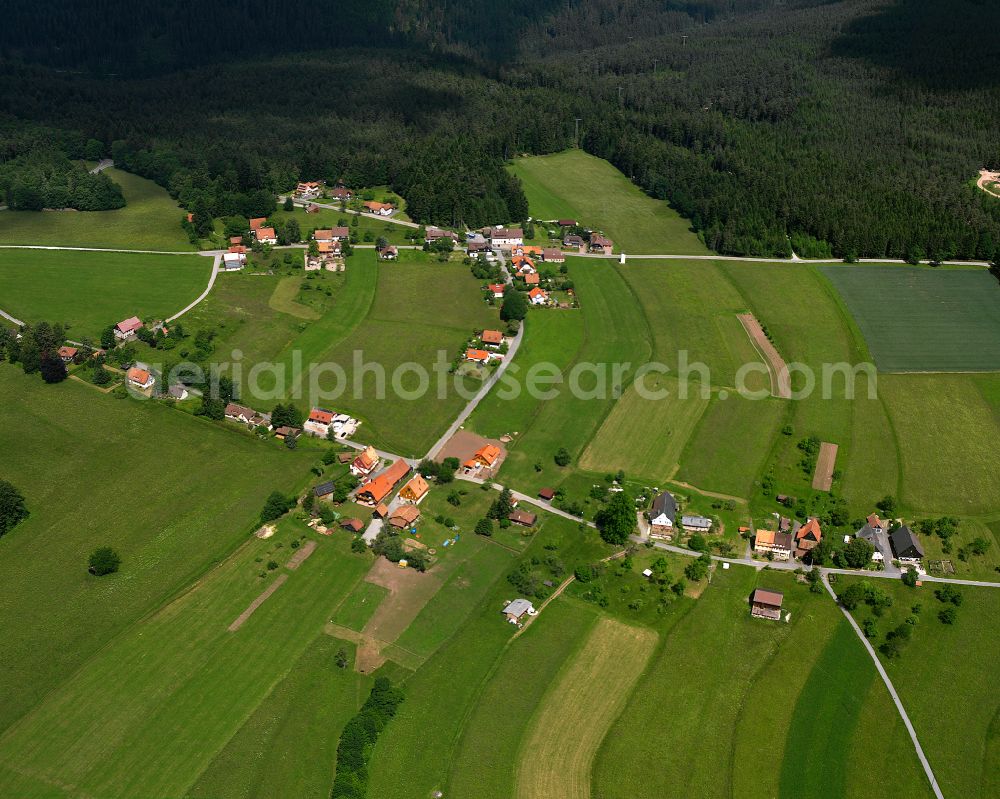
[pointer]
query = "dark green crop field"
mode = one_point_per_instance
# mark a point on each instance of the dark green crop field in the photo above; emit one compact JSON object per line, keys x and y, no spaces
{"x":921,"y":319}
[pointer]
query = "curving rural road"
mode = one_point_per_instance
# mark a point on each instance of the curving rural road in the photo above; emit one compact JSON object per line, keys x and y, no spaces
{"x":205,"y":293}
{"x":892,"y":691}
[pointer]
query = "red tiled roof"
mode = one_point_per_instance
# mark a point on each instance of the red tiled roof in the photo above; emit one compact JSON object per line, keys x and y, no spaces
{"x":320,"y":415}
{"x":379,"y":488}
{"x":477,"y":355}
{"x":492,"y":337}
{"x":130,"y":324}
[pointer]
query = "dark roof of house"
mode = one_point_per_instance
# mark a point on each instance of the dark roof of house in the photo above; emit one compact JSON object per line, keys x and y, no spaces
{"x":323,"y":489}
{"x":522,"y":517}
{"x":904,"y":542}
{"x":546,"y":493}
{"x":868,"y":533}
{"x":665,"y":503}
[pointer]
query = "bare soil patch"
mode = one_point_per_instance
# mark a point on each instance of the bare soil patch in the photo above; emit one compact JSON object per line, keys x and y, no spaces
{"x":300,"y":555}
{"x":409,"y":591}
{"x":464,"y":444}
{"x":823,"y":477}
{"x":260,"y":600}
{"x":781,"y":381}
{"x":989,"y":182}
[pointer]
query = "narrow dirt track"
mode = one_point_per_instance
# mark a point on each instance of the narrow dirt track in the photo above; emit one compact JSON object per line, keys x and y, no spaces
{"x":781,"y":381}
{"x":823,"y":477}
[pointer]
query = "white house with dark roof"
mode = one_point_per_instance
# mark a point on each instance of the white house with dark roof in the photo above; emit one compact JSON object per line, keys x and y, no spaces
{"x":662,"y":516}
{"x":905,"y":545}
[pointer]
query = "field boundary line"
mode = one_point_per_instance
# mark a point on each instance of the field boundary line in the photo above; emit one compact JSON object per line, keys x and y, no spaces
{"x":266,"y":594}
{"x":892,"y":691}
{"x":103,"y":249}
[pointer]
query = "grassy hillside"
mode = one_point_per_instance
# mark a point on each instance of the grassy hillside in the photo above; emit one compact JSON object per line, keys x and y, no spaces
{"x":575,"y":185}
{"x":170,"y":493}
{"x":88,"y":291}
{"x":150,"y":220}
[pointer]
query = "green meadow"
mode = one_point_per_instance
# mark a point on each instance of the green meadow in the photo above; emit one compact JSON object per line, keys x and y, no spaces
{"x":721,"y":680}
{"x":575,"y":185}
{"x":150,"y":220}
{"x":143,"y":479}
{"x":922,"y":319}
{"x":88,"y":291}
{"x":944,"y":677}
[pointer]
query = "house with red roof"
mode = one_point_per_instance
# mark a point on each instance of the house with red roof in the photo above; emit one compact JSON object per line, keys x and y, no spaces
{"x":365,"y":463}
{"x":373,"y":492}
{"x":491,"y":338}
{"x":538,"y":296}
{"x":67,"y":354}
{"x":257,"y":222}
{"x":379,"y":209}
{"x":496,"y":289}
{"x":553,"y":255}
{"x":600,"y":244}
{"x":341,"y":193}
{"x":309,"y":189}
{"x":477,"y":356}
{"x":319,"y":422}
{"x":266,"y":235}
{"x":127,"y":329}
{"x":807,"y":537}
{"x":140,"y":378}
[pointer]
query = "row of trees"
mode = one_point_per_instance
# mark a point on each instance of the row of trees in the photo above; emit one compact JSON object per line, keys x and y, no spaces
{"x":44,"y":177}
{"x":358,"y":740}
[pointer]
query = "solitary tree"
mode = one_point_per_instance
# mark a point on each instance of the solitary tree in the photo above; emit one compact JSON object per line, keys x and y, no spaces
{"x":484,"y":527}
{"x":12,"y":508}
{"x":857,"y":554}
{"x":104,"y":561}
{"x":562,"y":457}
{"x":616,"y":521}
{"x":514,"y":307}
{"x":53,"y":369}
{"x":288,"y":205}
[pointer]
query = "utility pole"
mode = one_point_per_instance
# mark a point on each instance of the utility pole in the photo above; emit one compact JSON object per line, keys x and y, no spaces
{"x":577,"y":135}
{"x":684,"y":40}
{"x":655,"y":61}
{"x":619,"y":95}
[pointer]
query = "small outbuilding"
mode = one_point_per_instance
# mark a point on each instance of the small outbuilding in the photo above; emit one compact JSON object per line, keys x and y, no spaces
{"x":517,"y":610}
{"x":522,"y":517}
{"x":766,"y":604}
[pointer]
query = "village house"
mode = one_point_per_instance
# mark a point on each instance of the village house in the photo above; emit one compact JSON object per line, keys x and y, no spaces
{"x":487,"y":456}
{"x":435,"y":234}
{"x":127,"y":329}
{"x":266,"y":235}
{"x":235,"y":259}
{"x":415,"y":490}
{"x":285,"y":431}
{"x":600,"y":244}
{"x":379,"y":209}
{"x":341,"y":193}
{"x":324,"y":490}
{"x":309,"y":190}
{"x":538,"y":296}
{"x":574,"y":242}
{"x":365,"y":463}
{"x":517,"y":610}
{"x":531,"y":279}
{"x":906,"y":546}
{"x":547,"y":494}
{"x":807,"y":537}
{"x":778,"y":545}
{"x":506,"y":237}
{"x":566,"y":223}
{"x":332,"y":234}
{"x":404,"y":517}
{"x":491,"y":338}
{"x":478,"y":247}
{"x":248,"y":416}
{"x":696,"y":524}
{"x":496,"y":289}
{"x":319,"y":422}
{"x":874,"y":533}
{"x":177,"y":392}
{"x":312,"y":208}
{"x":140,"y":378}
{"x":480,"y":357}
{"x":328,"y":256}
{"x":67,"y":354}
{"x":388,"y":253}
{"x":257,"y":223}
{"x":235,"y":240}
{"x":373,"y":492}
{"x":522,"y":517}
{"x":765,"y":604}
{"x":553,"y":255}
{"x":662,"y":515}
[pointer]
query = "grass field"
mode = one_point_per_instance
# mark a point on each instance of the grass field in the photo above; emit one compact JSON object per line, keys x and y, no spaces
{"x":284,"y":299}
{"x":150,"y":220}
{"x":944,"y":678}
{"x":368,"y":229}
{"x":575,"y":185}
{"x":919,"y":319}
{"x":89,"y":291}
{"x":486,"y":758}
{"x":173,"y":515}
{"x":289,"y":745}
{"x":721,"y":681}
{"x":578,"y":709}
{"x":644,"y":436}
{"x":947,"y":435}
{"x":120,"y":725}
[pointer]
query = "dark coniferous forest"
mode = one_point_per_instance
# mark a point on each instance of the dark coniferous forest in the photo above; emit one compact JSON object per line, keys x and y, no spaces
{"x":853,"y":128}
